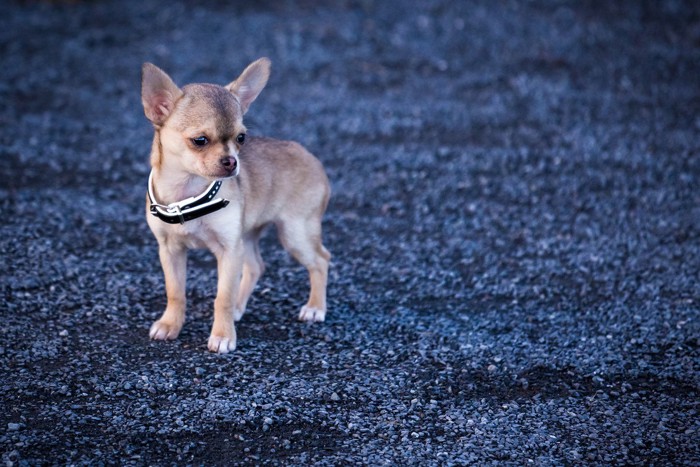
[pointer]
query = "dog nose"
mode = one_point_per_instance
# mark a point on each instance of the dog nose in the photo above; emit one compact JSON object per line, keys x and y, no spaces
{"x":229,"y":163}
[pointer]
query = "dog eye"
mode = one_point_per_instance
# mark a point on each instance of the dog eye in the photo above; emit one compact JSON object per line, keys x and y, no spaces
{"x":200,"y":141}
{"x":240,"y":138}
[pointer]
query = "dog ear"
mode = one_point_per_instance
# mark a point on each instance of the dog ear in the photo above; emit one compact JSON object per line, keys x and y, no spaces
{"x":251,"y":82}
{"x":158,"y":93}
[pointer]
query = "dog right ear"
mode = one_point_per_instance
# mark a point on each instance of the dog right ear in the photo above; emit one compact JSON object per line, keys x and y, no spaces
{"x":158,"y":94}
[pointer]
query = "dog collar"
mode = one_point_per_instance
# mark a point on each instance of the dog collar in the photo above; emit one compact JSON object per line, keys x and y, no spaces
{"x":187,"y":209}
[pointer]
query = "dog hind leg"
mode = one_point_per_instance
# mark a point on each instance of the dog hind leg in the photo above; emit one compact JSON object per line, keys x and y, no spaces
{"x":253,"y":268}
{"x":302,"y":239}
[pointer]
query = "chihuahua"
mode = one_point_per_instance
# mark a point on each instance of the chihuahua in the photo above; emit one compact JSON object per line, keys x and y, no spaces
{"x":213,"y":186}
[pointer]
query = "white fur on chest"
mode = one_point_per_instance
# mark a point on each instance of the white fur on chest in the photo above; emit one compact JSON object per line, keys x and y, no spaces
{"x":194,"y":235}
{"x":213,"y":231}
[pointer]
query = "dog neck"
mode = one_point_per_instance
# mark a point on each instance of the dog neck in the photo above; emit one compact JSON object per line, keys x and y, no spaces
{"x":171,"y":183}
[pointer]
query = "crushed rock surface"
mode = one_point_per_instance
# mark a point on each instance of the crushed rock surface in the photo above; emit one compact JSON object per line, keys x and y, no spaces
{"x":515,"y":229}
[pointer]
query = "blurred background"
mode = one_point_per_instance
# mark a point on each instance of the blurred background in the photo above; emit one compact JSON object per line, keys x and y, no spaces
{"x":515,"y":199}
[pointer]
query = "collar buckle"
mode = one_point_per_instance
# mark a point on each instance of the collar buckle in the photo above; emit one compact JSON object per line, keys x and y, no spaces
{"x":178,"y":211}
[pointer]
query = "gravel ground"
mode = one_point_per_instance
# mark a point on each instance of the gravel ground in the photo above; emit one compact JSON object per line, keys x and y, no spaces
{"x":515,"y":227}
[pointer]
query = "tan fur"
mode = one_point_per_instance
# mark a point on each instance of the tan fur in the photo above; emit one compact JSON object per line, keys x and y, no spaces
{"x":274,"y":182}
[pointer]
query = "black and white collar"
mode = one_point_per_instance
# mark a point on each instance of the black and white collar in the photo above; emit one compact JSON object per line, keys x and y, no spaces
{"x":187,"y":209}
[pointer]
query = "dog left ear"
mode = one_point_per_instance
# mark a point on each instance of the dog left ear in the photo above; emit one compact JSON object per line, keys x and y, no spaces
{"x":251,"y":82}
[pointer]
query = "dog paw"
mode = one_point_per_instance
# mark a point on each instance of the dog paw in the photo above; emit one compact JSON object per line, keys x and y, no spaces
{"x":238,"y":314}
{"x":311,"y":314}
{"x":161,"y":331}
{"x":222,"y":344}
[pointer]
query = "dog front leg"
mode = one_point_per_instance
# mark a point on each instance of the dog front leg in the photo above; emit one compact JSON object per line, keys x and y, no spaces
{"x":173,"y":259}
{"x":223,"y":331}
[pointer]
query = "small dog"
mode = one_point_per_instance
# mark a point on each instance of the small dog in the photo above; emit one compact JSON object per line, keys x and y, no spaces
{"x":212,"y":186}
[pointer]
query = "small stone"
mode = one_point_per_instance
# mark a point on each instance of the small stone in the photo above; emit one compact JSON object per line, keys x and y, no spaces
{"x":13,"y":426}
{"x":63,"y":333}
{"x":335,"y":396}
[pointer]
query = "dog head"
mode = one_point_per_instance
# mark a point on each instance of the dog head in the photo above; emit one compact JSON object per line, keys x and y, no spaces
{"x":200,"y":127}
